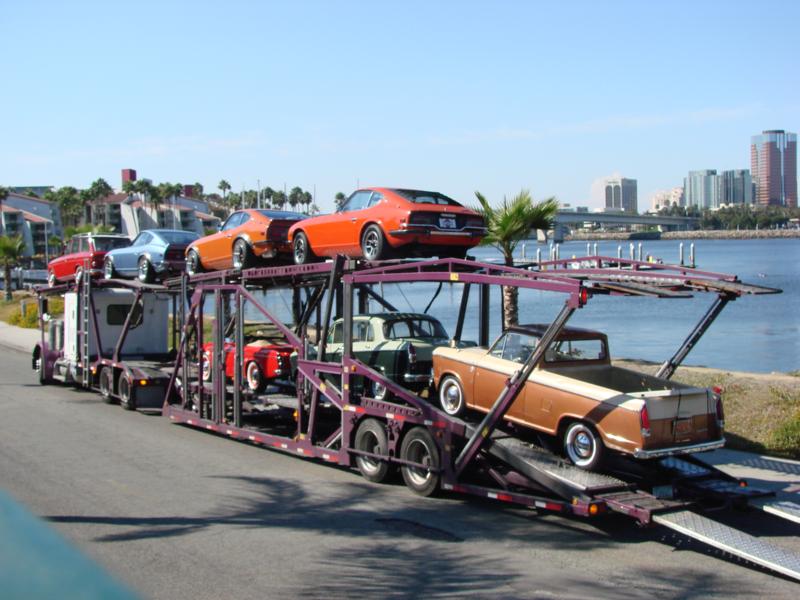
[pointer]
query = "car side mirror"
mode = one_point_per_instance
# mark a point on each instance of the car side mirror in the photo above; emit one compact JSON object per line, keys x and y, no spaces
{"x":219,"y":227}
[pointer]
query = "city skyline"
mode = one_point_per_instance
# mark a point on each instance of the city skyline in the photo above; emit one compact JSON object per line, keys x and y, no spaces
{"x":495,"y":98}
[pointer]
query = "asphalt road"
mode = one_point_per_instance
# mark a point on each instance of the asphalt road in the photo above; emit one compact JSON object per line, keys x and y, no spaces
{"x":178,"y":513}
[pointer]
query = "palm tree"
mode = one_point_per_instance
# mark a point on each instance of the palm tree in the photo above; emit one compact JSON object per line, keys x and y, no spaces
{"x":11,"y":252}
{"x":279,"y":199}
{"x":509,"y":224}
{"x":295,"y":197}
{"x":3,"y":196}
{"x":223,"y":186}
{"x":307,"y":200}
{"x":267,"y":193}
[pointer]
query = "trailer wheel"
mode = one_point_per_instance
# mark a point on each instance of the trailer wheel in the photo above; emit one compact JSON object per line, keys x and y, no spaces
{"x":255,"y":377}
{"x":127,"y":393}
{"x":371,"y":437}
{"x":419,"y":447}
{"x":107,"y":384}
{"x":583,"y":446}
{"x":451,"y":396}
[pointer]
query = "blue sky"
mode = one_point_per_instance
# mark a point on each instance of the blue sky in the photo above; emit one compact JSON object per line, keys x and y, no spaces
{"x":453,"y":96}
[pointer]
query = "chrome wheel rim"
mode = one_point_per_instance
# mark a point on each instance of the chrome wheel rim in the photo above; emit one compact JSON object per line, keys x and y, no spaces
{"x":109,"y":270}
{"x":78,"y":274}
{"x":371,"y":245}
{"x":192,"y":263}
{"x":238,"y":256}
{"x":51,"y":280}
{"x":581,"y":445}
{"x":143,"y":269}
{"x":253,"y":376}
{"x":370,"y":444}
{"x":418,"y":452}
{"x":451,"y":397}
{"x":206,"y":368}
{"x":300,"y":250}
{"x":378,"y":390}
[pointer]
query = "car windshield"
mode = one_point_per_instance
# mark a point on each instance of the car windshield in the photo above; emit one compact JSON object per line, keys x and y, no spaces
{"x":104,"y":244}
{"x":414,"y":328}
{"x":418,"y":197}
{"x":178,"y":237}
{"x":282,"y":214}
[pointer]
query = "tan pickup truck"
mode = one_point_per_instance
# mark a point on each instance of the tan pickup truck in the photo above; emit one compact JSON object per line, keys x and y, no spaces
{"x":577,"y":395}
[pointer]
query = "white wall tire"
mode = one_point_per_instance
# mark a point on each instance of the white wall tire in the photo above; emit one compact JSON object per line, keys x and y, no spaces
{"x":451,"y":396}
{"x":583,"y":446}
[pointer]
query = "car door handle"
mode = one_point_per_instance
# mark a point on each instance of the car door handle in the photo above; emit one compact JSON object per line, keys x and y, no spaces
{"x":353,"y":219}
{"x":228,"y":235}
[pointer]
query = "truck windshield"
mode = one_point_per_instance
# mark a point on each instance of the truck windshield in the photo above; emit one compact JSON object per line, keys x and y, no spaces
{"x":414,"y":328}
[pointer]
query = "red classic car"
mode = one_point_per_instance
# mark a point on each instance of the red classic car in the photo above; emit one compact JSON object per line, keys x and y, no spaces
{"x":84,"y":250}
{"x":264,"y":361}
{"x":376,"y":223}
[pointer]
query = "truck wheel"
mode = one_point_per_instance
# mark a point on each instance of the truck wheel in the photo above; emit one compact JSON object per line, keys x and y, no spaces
{"x":371,"y":437}
{"x":107,"y":384}
{"x":145,"y":271}
{"x":255,"y":377}
{"x":373,"y":244}
{"x":419,"y":447}
{"x":451,"y":396}
{"x":583,"y":446}
{"x":243,"y":257}
{"x":127,"y":393}
{"x":38,"y":361}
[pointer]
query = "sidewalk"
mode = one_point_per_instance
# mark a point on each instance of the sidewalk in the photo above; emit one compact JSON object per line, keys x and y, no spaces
{"x":776,"y":474}
{"x":18,"y":338}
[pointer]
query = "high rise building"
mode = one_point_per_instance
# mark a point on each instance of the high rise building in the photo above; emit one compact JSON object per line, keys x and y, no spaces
{"x":621,"y":194}
{"x":701,"y":189}
{"x":735,"y":187}
{"x":666,"y":199}
{"x":773,"y":163}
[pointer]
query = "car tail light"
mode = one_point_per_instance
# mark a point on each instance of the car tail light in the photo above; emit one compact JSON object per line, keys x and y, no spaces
{"x":475,"y":222}
{"x":412,"y":354}
{"x":644,"y":419}
{"x":720,"y":411}
{"x":422,"y":218}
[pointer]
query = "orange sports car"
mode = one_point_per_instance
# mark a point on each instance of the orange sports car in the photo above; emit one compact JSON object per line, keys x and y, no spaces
{"x":377,"y":223}
{"x":244,"y":237}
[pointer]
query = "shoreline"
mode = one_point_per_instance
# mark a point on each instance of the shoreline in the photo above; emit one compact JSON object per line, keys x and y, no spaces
{"x":743,"y":234}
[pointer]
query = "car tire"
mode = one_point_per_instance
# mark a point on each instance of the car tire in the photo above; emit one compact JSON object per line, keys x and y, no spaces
{"x":78,"y":274}
{"x":254,"y":376}
{"x":379,"y":391}
{"x":107,"y":385}
{"x":373,"y":244}
{"x":193,"y":263}
{"x":108,"y":269}
{"x":145,"y":272}
{"x":51,"y":279}
{"x":451,"y":396}
{"x":419,"y":447}
{"x":243,"y":257}
{"x":371,"y":437}
{"x":301,"y":250}
{"x":583,"y":446}
{"x":127,"y":393}
{"x":205,"y":366}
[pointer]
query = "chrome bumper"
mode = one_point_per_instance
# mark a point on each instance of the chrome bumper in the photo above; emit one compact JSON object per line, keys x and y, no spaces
{"x":414,"y":378}
{"x":661,"y":452}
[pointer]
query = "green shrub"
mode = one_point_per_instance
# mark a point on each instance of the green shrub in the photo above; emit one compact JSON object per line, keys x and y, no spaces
{"x":786,"y":437}
{"x":30,"y":320}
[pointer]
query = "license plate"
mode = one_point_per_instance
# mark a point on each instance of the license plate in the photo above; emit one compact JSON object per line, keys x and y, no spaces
{"x":683,"y":426}
{"x":447,"y":222}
